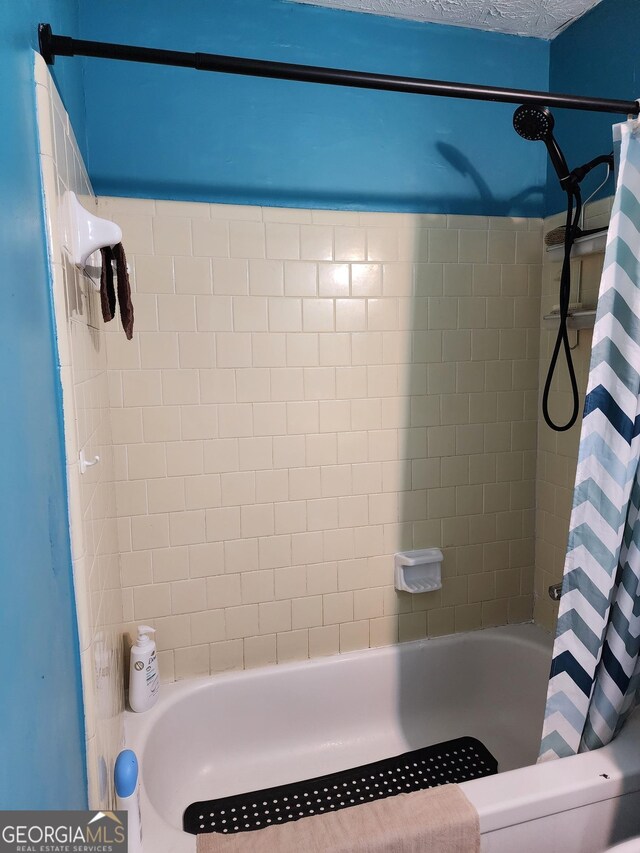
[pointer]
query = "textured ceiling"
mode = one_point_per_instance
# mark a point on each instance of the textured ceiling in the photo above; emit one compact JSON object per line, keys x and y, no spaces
{"x":539,"y":18}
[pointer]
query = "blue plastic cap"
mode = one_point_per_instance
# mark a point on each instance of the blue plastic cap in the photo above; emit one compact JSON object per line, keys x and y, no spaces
{"x":125,"y":773}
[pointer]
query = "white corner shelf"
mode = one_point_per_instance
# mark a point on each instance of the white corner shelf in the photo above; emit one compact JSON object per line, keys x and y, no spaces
{"x":418,"y":571}
{"x":590,"y":244}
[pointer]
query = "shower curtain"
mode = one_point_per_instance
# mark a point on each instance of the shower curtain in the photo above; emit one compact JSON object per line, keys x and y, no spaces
{"x":595,"y":671}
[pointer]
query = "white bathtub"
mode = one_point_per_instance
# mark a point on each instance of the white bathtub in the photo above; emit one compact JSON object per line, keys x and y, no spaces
{"x":243,"y":731}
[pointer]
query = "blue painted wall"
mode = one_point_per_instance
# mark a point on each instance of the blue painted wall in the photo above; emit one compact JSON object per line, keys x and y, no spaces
{"x":41,"y":727}
{"x":177,"y":133}
{"x":597,"y":56}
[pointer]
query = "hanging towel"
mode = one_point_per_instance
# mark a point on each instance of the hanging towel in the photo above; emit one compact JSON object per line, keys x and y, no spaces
{"x":107,"y":292}
{"x":437,"y":820}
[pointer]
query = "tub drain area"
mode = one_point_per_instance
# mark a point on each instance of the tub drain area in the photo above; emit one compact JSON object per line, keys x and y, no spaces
{"x":452,"y":761}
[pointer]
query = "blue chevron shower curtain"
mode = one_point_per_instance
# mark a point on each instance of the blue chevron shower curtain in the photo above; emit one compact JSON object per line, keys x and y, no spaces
{"x":595,"y":672}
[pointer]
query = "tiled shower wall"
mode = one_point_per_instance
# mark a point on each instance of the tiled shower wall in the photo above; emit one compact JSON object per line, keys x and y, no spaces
{"x":83,"y":371}
{"x":558,"y":451}
{"x":306,"y":393}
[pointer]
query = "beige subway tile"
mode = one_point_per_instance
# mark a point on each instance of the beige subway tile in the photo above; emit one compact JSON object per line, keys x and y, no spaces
{"x":135,"y":568}
{"x":126,"y":425}
{"x":141,"y":387}
{"x":351,"y":315}
{"x":257,"y":587}
{"x":502,"y":247}
{"x":223,"y":523}
{"x":257,"y":520}
{"x":350,"y":243}
{"x":302,"y":417}
{"x":324,"y":641}
{"x":333,"y":279}
{"x":235,"y":420}
{"x":354,"y":636}
{"x":282,"y":240}
{"x":192,"y":275}
{"x":146,"y":461}
{"x":302,"y":350}
{"x":199,"y":422}
{"x":207,"y":627}
{"x":214,"y":314}
{"x":227,"y":656}
{"x":184,"y":458}
{"x":165,"y":494}
{"x":223,"y":591}
{"x":316,"y":242}
{"x":188,"y":596}
{"x":318,"y":315}
{"x":187,"y":528}
{"x":176,"y":313}
{"x":246,"y":239}
{"x":321,"y":449}
{"x":121,"y":353}
{"x":216,"y":386}
{"x":152,"y":600}
{"x":300,"y":278}
{"x":233,"y":349}
{"x":250,"y":314}
{"x":292,"y":646}
{"x":202,"y":492}
{"x":274,"y":616}
{"x":266,"y":278}
{"x":274,"y":551}
{"x":230,"y":276}
{"x":290,"y":517}
{"x":210,"y":238}
{"x":260,"y":651}
{"x":161,"y":423}
{"x":520,"y":609}
{"x":468,"y":617}
{"x":206,"y":560}
{"x":157,"y":349}
{"x":172,"y":632}
{"x":179,"y":387}
{"x":191,"y":661}
{"x":440,"y":622}
{"x":131,"y":498}
{"x":170,"y":564}
{"x":290,"y":582}
{"x":242,"y":621}
{"x":195,"y":350}
{"x":412,"y":626}
{"x":173,"y":234}
{"x":255,"y":453}
{"x":337,"y":607}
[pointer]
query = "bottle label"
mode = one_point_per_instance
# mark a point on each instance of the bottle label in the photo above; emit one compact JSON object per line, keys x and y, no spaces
{"x":152,"y":675}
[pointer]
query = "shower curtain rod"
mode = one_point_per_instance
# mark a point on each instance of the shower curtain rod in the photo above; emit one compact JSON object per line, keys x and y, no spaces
{"x":52,"y":45}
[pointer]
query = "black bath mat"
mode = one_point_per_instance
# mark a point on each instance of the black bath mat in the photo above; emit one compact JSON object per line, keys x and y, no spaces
{"x":452,"y":761}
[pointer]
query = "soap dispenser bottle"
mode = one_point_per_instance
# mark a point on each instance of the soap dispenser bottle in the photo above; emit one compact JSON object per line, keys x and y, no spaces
{"x":144,"y":679}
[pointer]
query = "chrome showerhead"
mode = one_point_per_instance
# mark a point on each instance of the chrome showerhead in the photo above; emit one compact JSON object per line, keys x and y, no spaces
{"x":533,"y":123}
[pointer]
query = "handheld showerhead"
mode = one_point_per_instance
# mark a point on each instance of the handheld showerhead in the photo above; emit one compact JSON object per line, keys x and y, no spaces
{"x":533,"y":123}
{"x":536,"y":125}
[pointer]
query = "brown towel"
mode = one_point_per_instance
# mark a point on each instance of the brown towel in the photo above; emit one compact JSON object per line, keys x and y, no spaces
{"x":107,"y":292}
{"x":438,"y":820}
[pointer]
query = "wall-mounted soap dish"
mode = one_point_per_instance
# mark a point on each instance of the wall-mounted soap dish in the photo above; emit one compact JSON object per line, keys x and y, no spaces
{"x":418,"y":571}
{"x":84,"y":235}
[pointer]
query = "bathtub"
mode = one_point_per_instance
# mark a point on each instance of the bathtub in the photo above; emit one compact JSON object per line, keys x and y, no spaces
{"x":243,"y":731}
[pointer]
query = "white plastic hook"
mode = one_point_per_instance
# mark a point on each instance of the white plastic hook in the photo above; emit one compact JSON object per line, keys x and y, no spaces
{"x":84,"y":462}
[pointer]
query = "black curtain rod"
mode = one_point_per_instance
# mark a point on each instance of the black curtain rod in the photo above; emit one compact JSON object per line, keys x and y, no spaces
{"x":52,"y":45}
